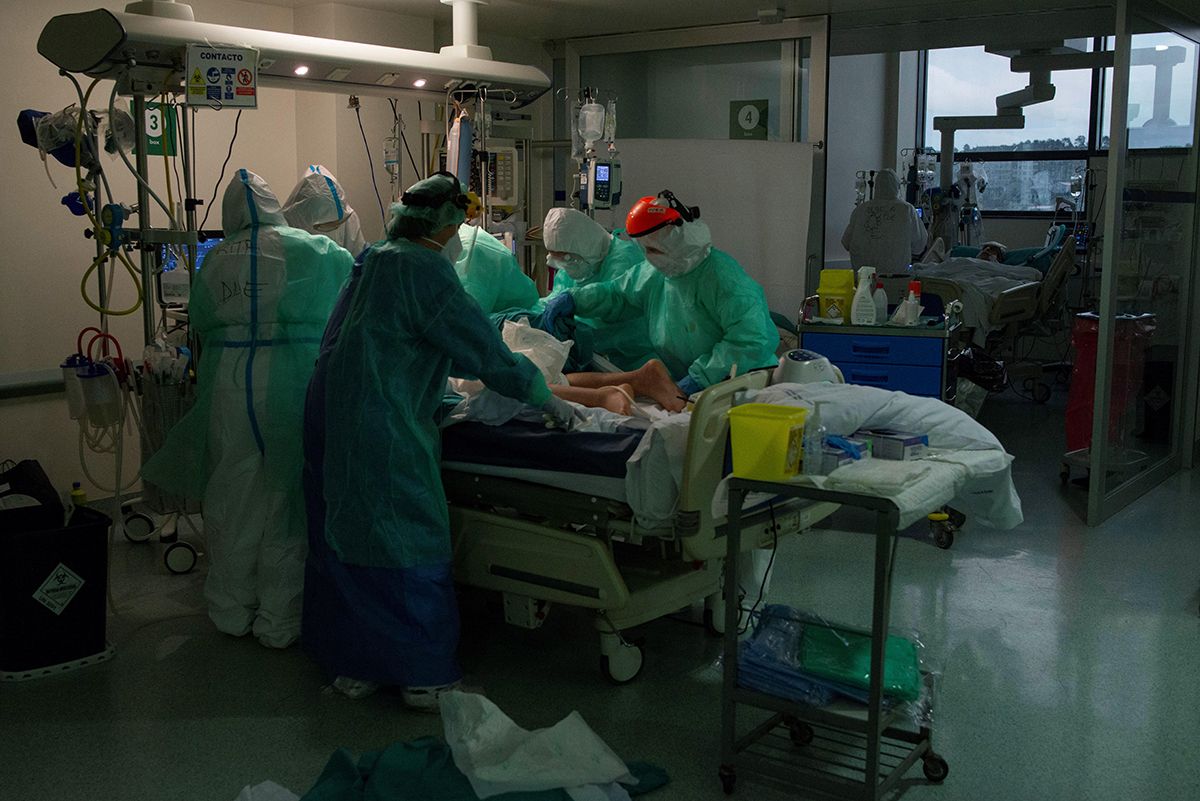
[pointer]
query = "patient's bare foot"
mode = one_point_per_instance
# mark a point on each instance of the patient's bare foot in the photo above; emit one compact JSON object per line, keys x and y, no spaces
{"x":653,"y":381}
{"x":618,"y":399}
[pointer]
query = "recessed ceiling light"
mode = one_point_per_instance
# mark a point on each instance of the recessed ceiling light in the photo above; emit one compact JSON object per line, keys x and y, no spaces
{"x":419,"y":82}
{"x":301,"y":70}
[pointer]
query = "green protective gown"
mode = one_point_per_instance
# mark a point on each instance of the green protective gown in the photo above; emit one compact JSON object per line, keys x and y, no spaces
{"x":259,"y":306}
{"x":701,"y":323}
{"x":626,"y":344}
{"x":408,"y":324}
{"x":490,"y":273}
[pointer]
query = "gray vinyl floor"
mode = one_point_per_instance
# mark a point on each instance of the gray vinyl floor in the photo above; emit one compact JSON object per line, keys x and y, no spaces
{"x":1069,"y":657}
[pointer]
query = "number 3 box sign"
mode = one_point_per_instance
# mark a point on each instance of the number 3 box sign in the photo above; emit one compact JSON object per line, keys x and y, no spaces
{"x":748,"y":119}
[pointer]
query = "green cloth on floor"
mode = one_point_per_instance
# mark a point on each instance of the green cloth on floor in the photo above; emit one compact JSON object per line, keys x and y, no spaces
{"x":845,"y":657}
{"x":424,"y":770}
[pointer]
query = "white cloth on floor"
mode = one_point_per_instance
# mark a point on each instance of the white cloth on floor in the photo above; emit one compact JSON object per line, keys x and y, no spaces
{"x":498,"y":756}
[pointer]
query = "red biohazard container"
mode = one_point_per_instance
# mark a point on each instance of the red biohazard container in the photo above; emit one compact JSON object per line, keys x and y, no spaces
{"x":1129,"y":363}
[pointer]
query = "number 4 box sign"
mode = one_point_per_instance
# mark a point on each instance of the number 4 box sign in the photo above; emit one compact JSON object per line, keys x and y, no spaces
{"x":748,"y":119}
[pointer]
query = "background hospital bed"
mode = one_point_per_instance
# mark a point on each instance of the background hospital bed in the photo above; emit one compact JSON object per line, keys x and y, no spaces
{"x":1033,"y":300}
{"x":522,"y":533}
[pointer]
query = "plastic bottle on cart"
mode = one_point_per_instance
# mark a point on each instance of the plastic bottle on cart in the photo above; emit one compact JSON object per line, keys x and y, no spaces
{"x":880,"y":298}
{"x":862,"y":309}
{"x":814,"y":441}
{"x":914,"y":302}
{"x":78,"y":495}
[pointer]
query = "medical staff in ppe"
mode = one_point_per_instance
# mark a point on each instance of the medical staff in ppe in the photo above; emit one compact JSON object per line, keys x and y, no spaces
{"x":583,"y":253}
{"x":258,"y":307}
{"x":707,"y":318}
{"x":490,"y":273}
{"x":379,"y":604}
{"x":884,"y":232}
{"x":318,"y":205}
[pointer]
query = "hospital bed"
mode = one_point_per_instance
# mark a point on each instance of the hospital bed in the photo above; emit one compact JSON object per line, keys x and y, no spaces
{"x":1001,"y":313}
{"x":568,"y":534}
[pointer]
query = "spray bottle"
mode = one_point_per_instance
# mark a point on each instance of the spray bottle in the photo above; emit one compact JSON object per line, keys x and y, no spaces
{"x":862,"y":309}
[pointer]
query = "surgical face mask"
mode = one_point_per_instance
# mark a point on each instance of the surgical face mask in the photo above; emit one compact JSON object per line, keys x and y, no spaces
{"x":572,"y":265}
{"x":670,"y":266}
{"x":451,"y":250}
{"x":677,"y":250}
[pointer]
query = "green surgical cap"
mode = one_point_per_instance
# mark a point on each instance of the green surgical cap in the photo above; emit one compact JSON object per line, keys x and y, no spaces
{"x":429,"y":205}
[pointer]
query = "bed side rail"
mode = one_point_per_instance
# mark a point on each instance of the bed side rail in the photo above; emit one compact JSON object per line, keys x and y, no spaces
{"x":704,"y":463}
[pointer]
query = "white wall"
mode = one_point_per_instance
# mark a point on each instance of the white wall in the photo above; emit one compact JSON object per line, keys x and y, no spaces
{"x":858,"y":139}
{"x":46,"y":253}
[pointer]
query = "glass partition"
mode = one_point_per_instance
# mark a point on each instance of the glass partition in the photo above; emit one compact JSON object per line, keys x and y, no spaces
{"x":1140,"y":338}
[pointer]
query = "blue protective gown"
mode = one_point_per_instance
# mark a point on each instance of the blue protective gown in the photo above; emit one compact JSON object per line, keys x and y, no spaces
{"x":379,"y":599}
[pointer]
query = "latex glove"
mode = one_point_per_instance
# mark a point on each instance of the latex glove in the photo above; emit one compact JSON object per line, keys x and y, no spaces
{"x":560,"y":414}
{"x":689,"y":386}
{"x":557,"y":307}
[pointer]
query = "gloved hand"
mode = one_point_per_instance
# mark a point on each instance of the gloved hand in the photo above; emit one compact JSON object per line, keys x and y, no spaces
{"x":557,"y":307}
{"x":560,"y":414}
{"x":689,"y":386}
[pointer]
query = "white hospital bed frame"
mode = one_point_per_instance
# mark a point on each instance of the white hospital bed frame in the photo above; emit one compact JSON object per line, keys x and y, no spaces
{"x":554,"y":545}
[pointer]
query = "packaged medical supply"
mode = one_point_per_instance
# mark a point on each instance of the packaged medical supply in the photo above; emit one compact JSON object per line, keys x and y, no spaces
{"x":766,"y":440}
{"x":862,"y":309}
{"x":841,"y":451}
{"x":814,"y":443}
{"x":836,"y":293}
{"x":896,"y":445}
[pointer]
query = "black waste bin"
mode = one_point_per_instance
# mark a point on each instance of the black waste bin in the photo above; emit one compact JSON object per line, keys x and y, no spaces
{"x":53,"y":586}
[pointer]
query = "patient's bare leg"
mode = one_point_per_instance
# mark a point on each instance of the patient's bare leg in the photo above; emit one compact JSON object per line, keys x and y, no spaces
{"x":651,"y":380}
{"x":617,"y":398}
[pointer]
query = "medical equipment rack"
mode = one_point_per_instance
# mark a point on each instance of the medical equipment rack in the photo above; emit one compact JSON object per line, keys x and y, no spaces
{"x":824,"y":748}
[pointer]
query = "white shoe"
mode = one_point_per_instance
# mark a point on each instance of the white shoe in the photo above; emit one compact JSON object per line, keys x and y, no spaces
{"x":354,"y":688}
{"x":428,"y":699}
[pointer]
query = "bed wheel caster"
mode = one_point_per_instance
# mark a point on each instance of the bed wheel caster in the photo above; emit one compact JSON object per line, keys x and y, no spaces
{"x":714,"y":624}
{"x":620,"y":661}
{"x":801,"y":733}
{"x":942,"y":529}
{"x":138,"y":527}
{"x":180,"y":558}
{"x":935,"y":768}
{"x":1039,"y":391}
{"x":728,"y":778}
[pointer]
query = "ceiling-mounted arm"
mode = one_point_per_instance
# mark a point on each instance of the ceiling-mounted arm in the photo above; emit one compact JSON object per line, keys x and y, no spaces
{"x":144,"y":53}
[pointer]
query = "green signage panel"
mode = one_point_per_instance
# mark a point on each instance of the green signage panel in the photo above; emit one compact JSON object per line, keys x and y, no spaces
{"x":748,"y":119}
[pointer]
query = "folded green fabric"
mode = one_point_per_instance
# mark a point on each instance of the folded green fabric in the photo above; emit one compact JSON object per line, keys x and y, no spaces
{"x":845,"y":657}
{"x":424,"y":770}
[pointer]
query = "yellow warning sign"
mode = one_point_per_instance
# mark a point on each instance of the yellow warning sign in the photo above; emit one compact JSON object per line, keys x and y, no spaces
{"x":197,"y":78}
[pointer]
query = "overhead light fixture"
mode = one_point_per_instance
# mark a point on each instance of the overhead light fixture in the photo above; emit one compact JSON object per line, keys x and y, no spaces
{"x":301,"y":70}
{"x":1160,"y":48}
{"x":419,"y":82}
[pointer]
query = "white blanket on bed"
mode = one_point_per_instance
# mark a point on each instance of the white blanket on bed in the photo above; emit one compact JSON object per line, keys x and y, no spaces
{"x":972,"y":469}
{"x":981,"y":283}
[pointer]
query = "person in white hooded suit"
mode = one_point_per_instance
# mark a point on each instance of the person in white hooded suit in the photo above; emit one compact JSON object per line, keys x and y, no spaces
{"x":884,"y":232}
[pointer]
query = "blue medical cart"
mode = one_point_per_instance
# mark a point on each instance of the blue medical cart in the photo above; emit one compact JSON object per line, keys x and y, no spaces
{"x":912,"y":359}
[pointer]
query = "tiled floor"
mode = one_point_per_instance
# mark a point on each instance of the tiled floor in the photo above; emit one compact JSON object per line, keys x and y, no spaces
{"x":1069,"y":657}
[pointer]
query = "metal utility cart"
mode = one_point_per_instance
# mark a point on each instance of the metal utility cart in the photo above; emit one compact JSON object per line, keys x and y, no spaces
{"x":840,"y":752}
